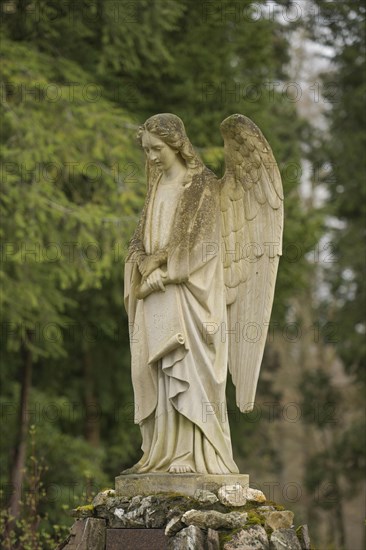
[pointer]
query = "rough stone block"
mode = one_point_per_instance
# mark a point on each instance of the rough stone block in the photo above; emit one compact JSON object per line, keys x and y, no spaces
{"x":254,"y":538}
{"x":86,"y":534}
{"x":205,"y":496}
{"x":212,"y":540}
{"x":215,"y":520}
{"x":190,"y":538}
{"x":232,"y":495}
{"x":255,"y":495}
{"x":74,"y":538}
{"x":279,"y":520}
{"x":174,"y":525}
{"x":304,"y":537}
{"x":284,"y":539}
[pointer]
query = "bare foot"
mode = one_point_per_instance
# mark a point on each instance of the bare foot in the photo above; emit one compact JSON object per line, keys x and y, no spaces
{"x":180,"y":469}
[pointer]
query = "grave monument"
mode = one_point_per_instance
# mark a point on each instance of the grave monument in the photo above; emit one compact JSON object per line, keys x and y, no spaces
{"x":199,"y":285}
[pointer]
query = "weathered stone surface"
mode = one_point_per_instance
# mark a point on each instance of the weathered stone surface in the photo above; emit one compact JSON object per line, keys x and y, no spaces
{"x":263,"y":509}
{"x":120,"y":513}
{"x":147,"y":514}
{"x":254,"y":538}
{"x":215,"y":520}
{"x":284,"y":539}
{"x":129,"y":485}
{"x":94,"y":535}
{"x":82,"y":512}
{"x":153,"y":511}
{"x":212,"y":540}
{"x":155,"y":518}
{"x":135,"y":502}
{"x":205,"y":496}
{"x":142,"y":512}
{"x":104,"y":504}
{"x":232,"y":495}
{"x":303,"y":536}
{"x":128,"y":520}
{"x":86,"y":534}
{"x":190,"y":538}
{"x":255,"y":495}
{"x":103,"y":497}
{"x":136,"y":539}
{"x":174,"y":525}
{"x":76,"y":533}
{"x":279,"y":520}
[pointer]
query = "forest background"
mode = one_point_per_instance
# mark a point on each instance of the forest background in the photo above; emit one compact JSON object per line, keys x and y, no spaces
{"x":77,"y":78}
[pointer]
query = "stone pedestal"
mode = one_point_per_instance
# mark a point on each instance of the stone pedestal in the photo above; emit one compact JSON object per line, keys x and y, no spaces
{"x":131,"y":485}
{"x":184,"y":512}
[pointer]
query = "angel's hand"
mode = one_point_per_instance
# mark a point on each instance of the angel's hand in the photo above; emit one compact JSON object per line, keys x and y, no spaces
{"x":155,"y":280}
{"x":148,"y":265}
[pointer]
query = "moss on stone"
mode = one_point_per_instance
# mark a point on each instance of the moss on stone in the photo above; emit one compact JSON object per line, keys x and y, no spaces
{"x":226,"y":536}
{"x":277,"y":507}
{"x":300,"y":536}
{"x":254,"y":519}
{"x":85,"y":511}
{"x":86,"y":507}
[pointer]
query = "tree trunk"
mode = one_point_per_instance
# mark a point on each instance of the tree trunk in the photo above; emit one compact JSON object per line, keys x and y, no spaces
{"x":20,"y":450}
{"x":101,"y":22}
{"x":338,"y":516}
{"x":19,"y":20}
{"x":91,"y":405}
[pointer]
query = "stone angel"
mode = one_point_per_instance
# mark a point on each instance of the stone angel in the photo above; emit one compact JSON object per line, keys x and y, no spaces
{"x":199,"y":285}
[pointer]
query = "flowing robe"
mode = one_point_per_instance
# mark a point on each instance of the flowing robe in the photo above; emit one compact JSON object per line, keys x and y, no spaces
{"x":179,"y":351}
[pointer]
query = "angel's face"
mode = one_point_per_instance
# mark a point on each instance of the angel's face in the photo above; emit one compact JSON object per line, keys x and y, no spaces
{"x":158,"y":152}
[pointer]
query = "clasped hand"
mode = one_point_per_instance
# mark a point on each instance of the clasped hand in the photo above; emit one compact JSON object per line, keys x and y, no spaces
{"x":148,"y":265}
{"x":155,"y":280}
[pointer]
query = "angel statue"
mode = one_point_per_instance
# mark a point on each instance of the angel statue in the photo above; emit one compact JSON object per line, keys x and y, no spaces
{"x":199,"y":285}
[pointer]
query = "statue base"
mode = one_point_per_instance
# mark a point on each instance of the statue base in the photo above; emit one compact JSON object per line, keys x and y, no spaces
{"x":130,"y":485}
{"x":176,"y":522}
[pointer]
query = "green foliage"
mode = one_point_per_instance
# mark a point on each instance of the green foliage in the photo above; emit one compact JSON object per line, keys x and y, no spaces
{"x":74,"y":470}
{"x":32,"y":531}
{"x":343,"y":149}
{"x":336,"y":466}
{"x":71,"y":213}
{"x":71,"y":191}
{"x":316,"y":388}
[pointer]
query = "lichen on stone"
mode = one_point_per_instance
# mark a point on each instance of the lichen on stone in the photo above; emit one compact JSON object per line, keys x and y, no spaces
{"x":83,"y":511}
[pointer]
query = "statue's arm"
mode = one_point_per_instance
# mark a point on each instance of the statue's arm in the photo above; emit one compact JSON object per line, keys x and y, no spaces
{"x":146,"y":263}
{"x":149,"y":262}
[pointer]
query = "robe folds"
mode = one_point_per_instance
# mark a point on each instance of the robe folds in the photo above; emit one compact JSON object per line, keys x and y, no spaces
{"x":178,"y":348}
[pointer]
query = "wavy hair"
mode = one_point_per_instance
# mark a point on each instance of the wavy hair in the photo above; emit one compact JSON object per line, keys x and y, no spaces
{"x":170,"y":129}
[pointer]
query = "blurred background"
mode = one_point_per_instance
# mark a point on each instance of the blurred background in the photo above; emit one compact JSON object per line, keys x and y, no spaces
{"x":77,"y":78}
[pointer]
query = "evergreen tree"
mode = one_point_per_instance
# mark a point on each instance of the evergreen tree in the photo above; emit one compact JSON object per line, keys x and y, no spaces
{"x":63,"y":216}
{"x":344,"y":87}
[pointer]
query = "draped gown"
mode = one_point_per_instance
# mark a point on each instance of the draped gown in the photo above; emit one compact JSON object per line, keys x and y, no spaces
{"x":178,"y":346}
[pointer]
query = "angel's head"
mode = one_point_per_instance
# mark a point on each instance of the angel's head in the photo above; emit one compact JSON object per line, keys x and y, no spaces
{"x":169,"y":129}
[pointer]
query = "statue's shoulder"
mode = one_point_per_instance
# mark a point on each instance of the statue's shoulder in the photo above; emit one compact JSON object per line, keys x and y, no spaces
{"x":209,"y":175}
{"x":205,"y":179}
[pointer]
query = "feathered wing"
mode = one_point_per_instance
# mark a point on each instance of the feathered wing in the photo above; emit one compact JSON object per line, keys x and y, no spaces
{"x":252,"y":225}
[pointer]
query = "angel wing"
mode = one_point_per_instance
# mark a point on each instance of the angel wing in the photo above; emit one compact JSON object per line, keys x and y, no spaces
{"x":252,"y":224}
